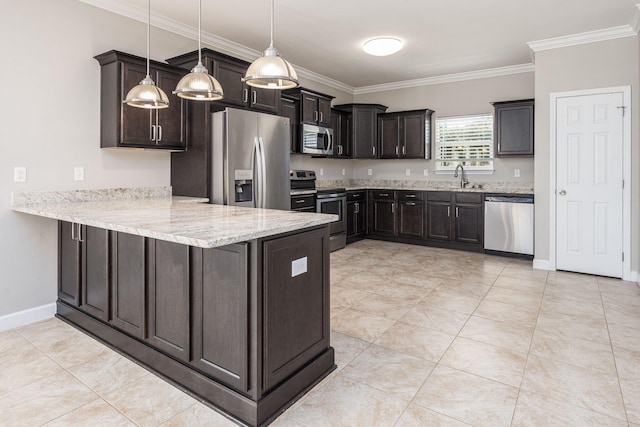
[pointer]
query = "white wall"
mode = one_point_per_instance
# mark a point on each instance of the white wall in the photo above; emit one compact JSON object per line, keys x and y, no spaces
{"x":595,"y":65}
{"x":447,"y":99}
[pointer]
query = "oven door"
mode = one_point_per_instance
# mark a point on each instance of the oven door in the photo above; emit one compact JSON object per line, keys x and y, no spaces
{"x":335,"y":204}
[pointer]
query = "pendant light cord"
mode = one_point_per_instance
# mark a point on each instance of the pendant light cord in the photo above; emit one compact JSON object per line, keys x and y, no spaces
{"x":148,"y":34}
{"x":200,"y":32}
{"x":272,"y":6}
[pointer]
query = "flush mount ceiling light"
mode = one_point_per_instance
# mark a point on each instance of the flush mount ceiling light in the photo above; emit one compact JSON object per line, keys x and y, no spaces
{"x":147,"y":94}
{"x":382,"y":46}
{"x":270,"y":71}
{"x":199,"y":85}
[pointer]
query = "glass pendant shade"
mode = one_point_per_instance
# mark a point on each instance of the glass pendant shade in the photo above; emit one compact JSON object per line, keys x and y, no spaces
{"x":199,"y":85}
{"x":147,"y":95}
{"x":270,"y":71}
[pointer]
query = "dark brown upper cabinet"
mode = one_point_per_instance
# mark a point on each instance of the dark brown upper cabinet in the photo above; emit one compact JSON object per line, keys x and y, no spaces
{"x":124,"y":126}
{"x":315,"y":107}
{"x":364,"y":128}
{"x":229,"y":72}
{"x":290,"y":107}
{"x":341,"y":125}
{"x":405,"y":135}
{"x":513,"y":128}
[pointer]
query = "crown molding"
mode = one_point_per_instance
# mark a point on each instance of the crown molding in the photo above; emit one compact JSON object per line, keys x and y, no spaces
{"x":587,"y":37}
{"x":448,"y":78}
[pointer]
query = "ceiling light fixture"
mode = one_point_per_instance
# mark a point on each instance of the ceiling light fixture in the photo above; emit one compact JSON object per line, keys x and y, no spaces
{"x":382,"y":46}
{"x":270,"y":71}
{"x":199,"y":85}
{"x":147,"y":94}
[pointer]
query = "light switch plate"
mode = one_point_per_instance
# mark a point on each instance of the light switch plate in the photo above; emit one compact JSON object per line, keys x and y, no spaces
{"x":426,"y":172}
{"x":344,"y":172}
{"x":369,"y":172}
{"x":20,"y":174}
{"x":298,"y":266}
{"x":407,"y":172}
{"x":516,"y":173}
{"x":321,"y":171}
{"x":78,"y":173}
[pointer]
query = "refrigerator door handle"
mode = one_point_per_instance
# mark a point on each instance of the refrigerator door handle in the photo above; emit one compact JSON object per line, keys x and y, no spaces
{"x":254,"y":165}
{"x":329,"y":146}
{"x":261,"y":172}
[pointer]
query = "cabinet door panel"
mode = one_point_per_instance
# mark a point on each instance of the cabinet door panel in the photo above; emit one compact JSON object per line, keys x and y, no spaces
{"x":296,"y":307}
{"x":172,"y":120}
{"x":230,"y":78}
{"x":129,"y":308}
{"x":169,"y":295}
{"x":95,"y":272}
{"x":221,"y":313}
{"x":469,"y":224}
{"x":266,"y":100}
{"x":383,"y":217}
{"x":413,"y":135}
{"x":68,"y":264}
{"x":289,"y":108}
{"x":309,"y":106}
{"x":388,"y":136}
{"x":439,"y":221}
{"x":136,"y":122}
{"x":364,"y":133}
{"x":411,"y":219}
{"x":324,"y":112}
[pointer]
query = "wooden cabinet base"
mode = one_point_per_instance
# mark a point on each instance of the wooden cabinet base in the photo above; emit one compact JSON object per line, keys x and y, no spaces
{"x":230,"y":402}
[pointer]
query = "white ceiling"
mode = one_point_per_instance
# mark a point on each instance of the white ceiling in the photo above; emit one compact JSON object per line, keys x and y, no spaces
{"x":442,"y":37}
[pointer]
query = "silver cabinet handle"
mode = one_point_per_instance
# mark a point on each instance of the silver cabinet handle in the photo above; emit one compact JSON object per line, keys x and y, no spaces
{"x":356,"y":207}
{"x":315,"y":116}
{"x":404,"y":150}
{"x":320,"y":115}
{"x":159,"y":134}
{"x":393,"y":208}
{"x":340,"y":150}
{"x":80,"y":238}
{"x":562,"y":193}
{"x":73,"y":231}
{"x":396,"y":150}
{"x":448,"y":210}
{"x":410,"y":203}
{"x":373,"y":149}
{"x":457,"y":215}
{"x":410,"y":196}
{"x":300,"y":201}
{"x":245,"y":95}
{"x":153,"y":132}
{"x":384,"y":194}
{"x":254,"y":97}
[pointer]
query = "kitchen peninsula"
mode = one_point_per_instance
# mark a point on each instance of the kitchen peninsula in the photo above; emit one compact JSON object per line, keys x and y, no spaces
{"x":230,"y":304}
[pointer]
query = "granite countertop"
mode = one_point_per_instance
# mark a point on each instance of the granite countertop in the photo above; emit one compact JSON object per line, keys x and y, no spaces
{"x":487,"y":187}
{"x":180,"y":220}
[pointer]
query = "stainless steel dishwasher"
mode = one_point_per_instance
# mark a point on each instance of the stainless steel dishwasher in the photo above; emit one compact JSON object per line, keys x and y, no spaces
{"x":508,"y":223}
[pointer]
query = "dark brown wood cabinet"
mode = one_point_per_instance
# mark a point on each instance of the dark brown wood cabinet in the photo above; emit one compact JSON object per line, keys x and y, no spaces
{"x":295,"y":303}
{"x":169,"y":297}
{"x":411,"y":217}
{"x":290,"y":108}
{"x":405,"y":134}
{"x":129,"y":284}
{"x":364,"y":128}
{"x":356,"y":215}
{"x":83,"y":268}
{"x":303,"y":203}
{"x":341,"y":125}
{"x":221,"y":314}
{"x":513,"y":128}
{"x":229,"y":72}
{"x":382,"y":213}
{"x":455,"y":217}
{"x":123,"y":126}
{"x":315,"y":108}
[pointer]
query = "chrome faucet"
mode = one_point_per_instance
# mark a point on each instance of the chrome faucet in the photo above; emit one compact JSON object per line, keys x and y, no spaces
{"x":463,"y":179}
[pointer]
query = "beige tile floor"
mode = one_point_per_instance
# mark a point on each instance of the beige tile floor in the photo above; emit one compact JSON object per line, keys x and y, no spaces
{"x":423,"y":337}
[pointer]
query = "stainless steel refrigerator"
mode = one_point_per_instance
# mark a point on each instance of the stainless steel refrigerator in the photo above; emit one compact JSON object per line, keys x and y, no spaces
{"x":250,"y":159}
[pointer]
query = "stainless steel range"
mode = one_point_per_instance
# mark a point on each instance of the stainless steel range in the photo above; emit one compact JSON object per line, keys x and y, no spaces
{"x":328,"y":200}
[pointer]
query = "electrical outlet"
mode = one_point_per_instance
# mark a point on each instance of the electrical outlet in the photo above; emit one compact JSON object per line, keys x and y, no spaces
{"x":78,"y":173}
{"x":298,"y":266}
{"x":344,"y":172}
{"x":20,"y":174}
{"x":426,"y":172}
{"x":516,"y":173}
{"x":407,"y":172}
{"x":321,"y":171}
{"x":369,"y":172}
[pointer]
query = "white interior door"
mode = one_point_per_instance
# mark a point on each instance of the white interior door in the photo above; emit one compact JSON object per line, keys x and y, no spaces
{"x":589,"y":184}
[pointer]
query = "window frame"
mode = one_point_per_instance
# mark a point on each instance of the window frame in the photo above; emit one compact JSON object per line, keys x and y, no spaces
{"x":487,"y":128}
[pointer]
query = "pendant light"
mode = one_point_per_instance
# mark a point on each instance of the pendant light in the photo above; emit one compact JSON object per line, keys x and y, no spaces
{"x":147,"y":94}
{"x":199,"y":85}
{"x":270,"y":71}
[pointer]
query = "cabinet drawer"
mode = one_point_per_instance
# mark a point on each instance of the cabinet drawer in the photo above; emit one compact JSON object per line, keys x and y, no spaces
{"x":439,"y":196}
{"x":354,"y":196}
{"x":469,"y":197}
{"x":383,"y":194}
{"x":302,"y":202}
{"x":409,"y":196}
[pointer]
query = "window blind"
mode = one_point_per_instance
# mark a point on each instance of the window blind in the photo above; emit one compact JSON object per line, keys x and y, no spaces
{"x":465,"y":138}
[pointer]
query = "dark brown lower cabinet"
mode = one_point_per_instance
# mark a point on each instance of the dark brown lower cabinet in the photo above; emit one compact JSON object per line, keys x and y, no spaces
{"x":296,"y":303}
{"x":95,"y":274}
{"x":129,"y":310}
{"x":69,"y":260}
{"x":469,"y":218}
{"x":169,"y":297}
{"x":411,"y":218}
{"x":455,"y":217}
{"x":221,"y":314}
{"x":439,"y":221}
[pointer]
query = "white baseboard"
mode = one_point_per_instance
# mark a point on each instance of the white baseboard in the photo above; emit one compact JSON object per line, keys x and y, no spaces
{"x":633,"y":277}
{"x":25,"y":317}
{"x":542,"y":264}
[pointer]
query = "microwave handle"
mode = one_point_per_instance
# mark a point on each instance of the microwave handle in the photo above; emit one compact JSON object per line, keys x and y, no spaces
{"x":329,"y":144}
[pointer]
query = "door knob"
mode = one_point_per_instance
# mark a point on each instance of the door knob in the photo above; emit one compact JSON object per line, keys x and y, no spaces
{"x":562,"y":192}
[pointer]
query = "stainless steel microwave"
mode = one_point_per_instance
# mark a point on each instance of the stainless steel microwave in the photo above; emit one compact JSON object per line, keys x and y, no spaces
{"x":317,"y":140}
